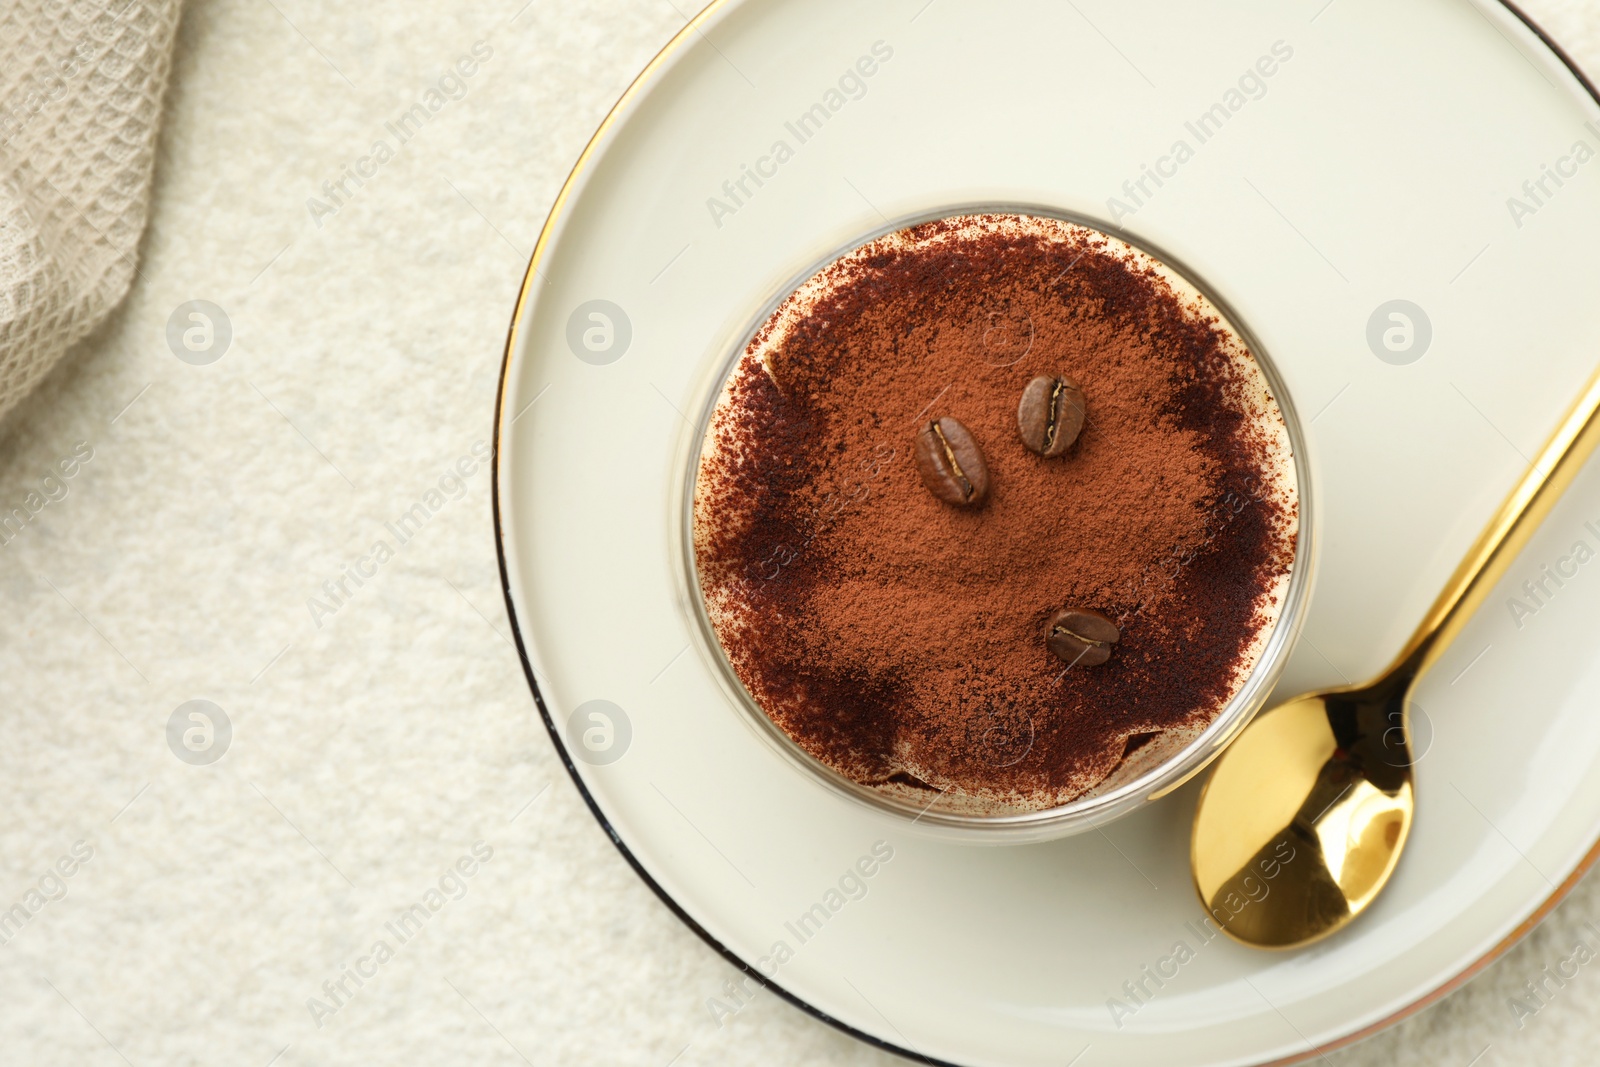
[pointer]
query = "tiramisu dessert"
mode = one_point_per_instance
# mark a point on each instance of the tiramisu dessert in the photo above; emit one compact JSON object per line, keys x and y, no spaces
{"x":993,"y":513}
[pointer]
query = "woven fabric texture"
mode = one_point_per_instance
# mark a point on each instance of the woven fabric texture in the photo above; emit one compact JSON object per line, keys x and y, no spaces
{"x":81,"y":85}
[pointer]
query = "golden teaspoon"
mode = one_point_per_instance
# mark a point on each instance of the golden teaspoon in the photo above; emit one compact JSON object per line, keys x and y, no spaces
{"x":1326,"y":777}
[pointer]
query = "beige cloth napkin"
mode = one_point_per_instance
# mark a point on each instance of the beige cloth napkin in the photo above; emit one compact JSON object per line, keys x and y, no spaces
{"x":80,"y":101}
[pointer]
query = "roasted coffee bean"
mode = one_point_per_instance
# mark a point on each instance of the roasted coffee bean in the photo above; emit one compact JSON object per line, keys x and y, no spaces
{"x":1051,"y":413}
{"x":951,"y":464}
{"x":1081,"y":637}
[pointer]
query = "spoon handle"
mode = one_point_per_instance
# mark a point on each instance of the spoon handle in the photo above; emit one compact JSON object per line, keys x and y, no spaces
{"x":1497,"y":547}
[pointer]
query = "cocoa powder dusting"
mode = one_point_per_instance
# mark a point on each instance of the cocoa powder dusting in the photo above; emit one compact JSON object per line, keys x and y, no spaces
{"x":900,"y":640}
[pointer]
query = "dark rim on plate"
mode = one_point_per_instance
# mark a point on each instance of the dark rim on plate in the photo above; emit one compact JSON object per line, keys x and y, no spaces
{"x":691,"y":29}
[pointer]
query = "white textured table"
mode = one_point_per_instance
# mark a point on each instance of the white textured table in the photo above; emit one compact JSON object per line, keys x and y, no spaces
{"x":215,"y":545}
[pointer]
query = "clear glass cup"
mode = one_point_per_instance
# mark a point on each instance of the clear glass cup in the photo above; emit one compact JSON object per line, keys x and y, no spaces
{"x":1121,"y":793}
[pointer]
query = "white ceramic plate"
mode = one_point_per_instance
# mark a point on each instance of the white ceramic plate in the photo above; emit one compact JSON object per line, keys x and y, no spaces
{"x":1376,"y":163}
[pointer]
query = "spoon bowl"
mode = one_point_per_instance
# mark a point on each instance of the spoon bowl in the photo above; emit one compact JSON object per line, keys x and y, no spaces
{"x":1305,"y":816}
